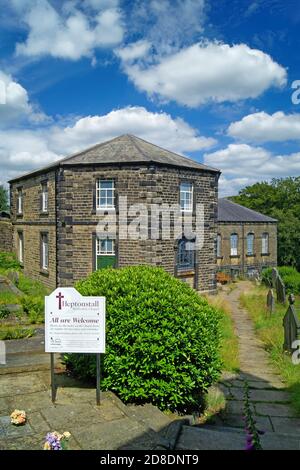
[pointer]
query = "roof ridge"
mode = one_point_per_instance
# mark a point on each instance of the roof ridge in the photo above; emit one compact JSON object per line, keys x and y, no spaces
{"x":133,"y":140}
{"x":174,"y":153}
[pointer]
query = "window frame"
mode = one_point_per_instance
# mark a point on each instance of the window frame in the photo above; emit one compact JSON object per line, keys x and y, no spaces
{"x":45,"y":197}
{"x":250,"y":236}
{"x":20,"y":201}
{"x":191,"y":264}
{"x":44,"y":254}
{"x":21,"y":247}
{"x":106,"y":207}
{"x":105,"y":253}
{"x":234,"y":251}
{"x":183,"y":199}
{"x":267,"y":251}
{"x":219,"y":245}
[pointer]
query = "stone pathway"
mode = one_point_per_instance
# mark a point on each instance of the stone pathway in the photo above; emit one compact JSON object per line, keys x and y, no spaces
{"x":25,"y":384}
{"x":110,"y":426}
{"x":270,"y":401}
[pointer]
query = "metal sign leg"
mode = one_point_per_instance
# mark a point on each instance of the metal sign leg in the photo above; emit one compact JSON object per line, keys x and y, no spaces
{"x":53,"y":388}
{"x":98,"y":379}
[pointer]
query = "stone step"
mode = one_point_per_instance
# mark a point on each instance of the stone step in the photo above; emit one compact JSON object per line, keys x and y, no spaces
{"x":227,"y":438}
{"x":29,"y":362}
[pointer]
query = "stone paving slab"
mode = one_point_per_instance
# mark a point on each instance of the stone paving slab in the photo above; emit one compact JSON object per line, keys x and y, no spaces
{"x":271,"y":409}
{"x":7,"y":430}
{"x":122,"y":434}
{"x":193,"y":438}
{"x":21,"y":384}
{"x":286,"y":425}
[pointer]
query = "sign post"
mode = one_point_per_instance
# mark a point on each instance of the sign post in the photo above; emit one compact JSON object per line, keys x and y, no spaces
{"x":74,"y":324}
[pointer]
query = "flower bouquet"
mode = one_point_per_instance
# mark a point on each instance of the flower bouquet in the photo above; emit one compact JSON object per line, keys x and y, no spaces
{"x":18,"y":417}
{"x":56,"y":441}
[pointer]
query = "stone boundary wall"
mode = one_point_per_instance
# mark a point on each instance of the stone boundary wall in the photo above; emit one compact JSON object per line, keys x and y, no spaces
{"x":5,"y":234}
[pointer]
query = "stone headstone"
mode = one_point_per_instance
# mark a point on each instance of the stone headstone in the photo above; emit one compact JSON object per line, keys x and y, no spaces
{"x":271,"y":301}
{"x":280,"y":291}
{"x":14,"y":277}
{"x":274,"y":277}
{"x":291,"y":325}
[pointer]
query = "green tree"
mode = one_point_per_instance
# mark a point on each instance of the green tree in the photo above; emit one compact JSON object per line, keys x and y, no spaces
{"x":3,"y":199}
{"x":280,"y":199}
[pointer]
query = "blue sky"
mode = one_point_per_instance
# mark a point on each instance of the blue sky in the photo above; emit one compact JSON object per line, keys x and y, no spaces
{"x":211,"y":79}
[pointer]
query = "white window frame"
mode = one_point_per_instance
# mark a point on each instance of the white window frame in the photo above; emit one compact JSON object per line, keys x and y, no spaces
{"x":99,"y":196}
{"x":100,"y":252}
{"x":45,"y":251}
{"x":20,"y":201}
{"x":234,"y":249}
{"x":219,"y":245}
{"x":265,"y":240}
{"x":45,"y":198}
{"x":21,"y":247}
{"x":186,"y":203}
{"x":250,"y":236}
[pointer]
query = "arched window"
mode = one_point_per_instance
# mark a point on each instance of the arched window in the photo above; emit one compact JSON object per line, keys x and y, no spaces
{"x":250,"y":244}
{"x":186,"y":254}
{"x":234,"y":240}
{"x":265,"y":244}
{"x":219,"y":245}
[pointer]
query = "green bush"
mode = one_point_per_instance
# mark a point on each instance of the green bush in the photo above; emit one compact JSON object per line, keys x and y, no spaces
{"x":4,"y":312}
{"x":289,"y":275}
{"x":162,"y":338}
{"x":34,"y":308}
{"x":8,"y":261}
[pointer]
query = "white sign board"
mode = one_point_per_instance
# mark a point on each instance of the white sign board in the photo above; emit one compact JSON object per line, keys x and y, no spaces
{"x":74,"y":323}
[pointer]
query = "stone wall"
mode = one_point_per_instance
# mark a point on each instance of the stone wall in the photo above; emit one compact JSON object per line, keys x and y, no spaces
{"x":6,"y":234}
{"x":71,"y":221}
{"x":77,"y":219}
{"x":243,"y":262}
{"x":32,"y":222}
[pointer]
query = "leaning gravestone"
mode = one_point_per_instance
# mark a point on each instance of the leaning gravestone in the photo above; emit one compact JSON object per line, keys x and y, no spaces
{"x":280,"y":290}
{"x":274,"y":277}
{"x":271,"y":302}
{"x":291,"y":325}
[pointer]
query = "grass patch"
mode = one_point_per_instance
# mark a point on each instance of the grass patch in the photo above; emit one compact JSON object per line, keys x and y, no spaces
{"x":7,"y":297}
{"x":270,"y":330}
{"x":15,"y":332}
{"x":229,"y":340}
{"x":31,"y":287}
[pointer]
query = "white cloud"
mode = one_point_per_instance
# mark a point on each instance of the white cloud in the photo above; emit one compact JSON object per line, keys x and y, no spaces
{"x":207,"y":72}
{"x":22,"y":150}
{"x":14,"y":103}
{"x":263,"y":127}
{"x":167,"y":24}
{"x":242,"y":164}
{"x":72,"y":33}
{"x":134,"y":51}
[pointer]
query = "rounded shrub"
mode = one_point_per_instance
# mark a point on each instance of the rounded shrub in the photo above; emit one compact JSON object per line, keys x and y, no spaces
{"x":162,"y":338}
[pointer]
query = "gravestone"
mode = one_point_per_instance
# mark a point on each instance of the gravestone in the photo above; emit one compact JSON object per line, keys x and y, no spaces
{"x":291,"y":325}
{"x":280,"y":291}
{"x":271,"y":301}
{"x":274,"y":277}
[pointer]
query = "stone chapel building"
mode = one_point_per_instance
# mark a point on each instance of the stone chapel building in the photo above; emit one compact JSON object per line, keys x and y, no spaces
{"x":54,"y":213}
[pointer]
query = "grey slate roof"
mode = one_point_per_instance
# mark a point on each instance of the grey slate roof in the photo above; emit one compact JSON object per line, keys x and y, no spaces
{"x":229,"y":211}
{"x":125,"y":149}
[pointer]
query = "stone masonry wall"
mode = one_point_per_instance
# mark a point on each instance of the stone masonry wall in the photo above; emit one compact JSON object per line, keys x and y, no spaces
{"x":243,"y":262}
{"x":77,"y":219}
{"x":32,"y":222}
{"x":5,"y":234}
